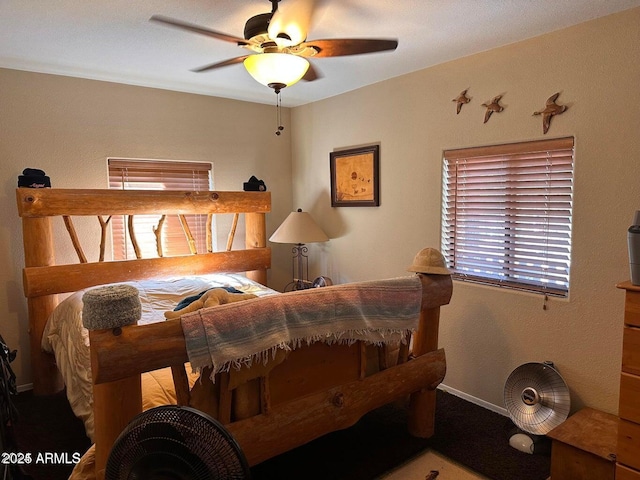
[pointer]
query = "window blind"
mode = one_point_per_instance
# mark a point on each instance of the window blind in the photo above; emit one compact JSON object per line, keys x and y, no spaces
{"x":506,"y":214}
{"x":131,"y":174}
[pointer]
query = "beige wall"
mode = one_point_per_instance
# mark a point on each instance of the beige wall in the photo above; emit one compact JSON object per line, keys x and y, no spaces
{"x":488,"y":332}
{"x":68,"y":127}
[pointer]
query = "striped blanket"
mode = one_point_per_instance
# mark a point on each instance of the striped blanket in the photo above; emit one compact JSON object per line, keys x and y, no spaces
{"x":237,"y":334}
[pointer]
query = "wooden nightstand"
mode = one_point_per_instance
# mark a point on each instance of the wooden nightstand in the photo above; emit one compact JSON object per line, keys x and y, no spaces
{"x":583,"y":446}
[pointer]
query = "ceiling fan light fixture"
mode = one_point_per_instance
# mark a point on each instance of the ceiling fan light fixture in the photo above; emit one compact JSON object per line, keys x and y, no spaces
{"x":276,"y":68}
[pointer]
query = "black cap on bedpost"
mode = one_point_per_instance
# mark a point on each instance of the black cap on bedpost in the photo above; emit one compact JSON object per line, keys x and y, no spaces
{"x":34,"y":178}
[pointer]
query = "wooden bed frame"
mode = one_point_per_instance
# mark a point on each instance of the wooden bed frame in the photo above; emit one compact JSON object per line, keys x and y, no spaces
{"x":316,"y":390}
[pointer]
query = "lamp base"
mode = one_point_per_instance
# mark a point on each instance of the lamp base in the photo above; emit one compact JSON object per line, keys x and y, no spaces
{"x":305,"y":284}
{"x":298,"y":285}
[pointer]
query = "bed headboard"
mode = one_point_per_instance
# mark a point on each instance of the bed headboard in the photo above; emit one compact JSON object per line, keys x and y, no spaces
{"x":43,"y":279}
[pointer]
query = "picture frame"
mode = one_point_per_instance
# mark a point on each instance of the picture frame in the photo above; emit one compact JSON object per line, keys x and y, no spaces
{"x":355,"y":177}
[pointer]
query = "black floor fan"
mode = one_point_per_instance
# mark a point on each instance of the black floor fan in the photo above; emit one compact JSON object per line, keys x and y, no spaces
{"x":176,"y":443}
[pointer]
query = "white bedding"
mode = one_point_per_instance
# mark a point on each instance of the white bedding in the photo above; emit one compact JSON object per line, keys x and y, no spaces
{"x":68,"y":340}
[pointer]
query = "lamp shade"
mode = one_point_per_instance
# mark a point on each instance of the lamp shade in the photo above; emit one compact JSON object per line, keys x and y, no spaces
{"x":299,"y":227}
{"x":283,"y":69}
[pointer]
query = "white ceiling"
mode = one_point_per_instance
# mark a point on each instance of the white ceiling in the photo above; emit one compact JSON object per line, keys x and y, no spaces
{"x":113,"y":40}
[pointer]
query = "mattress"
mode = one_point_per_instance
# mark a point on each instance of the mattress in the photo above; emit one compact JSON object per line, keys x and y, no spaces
{"x":68,"y":340}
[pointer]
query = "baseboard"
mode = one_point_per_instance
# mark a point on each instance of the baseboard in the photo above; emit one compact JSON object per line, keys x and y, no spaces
{"x":475,"y":400}
{"x":24,"y":388}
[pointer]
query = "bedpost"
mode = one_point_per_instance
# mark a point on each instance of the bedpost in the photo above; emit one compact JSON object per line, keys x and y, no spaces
{"x":422,"y":406}
{"x":105,"y":311}
{"x":114,"y":406}
{"x":256,"y":237}
{"x":37,"y":239}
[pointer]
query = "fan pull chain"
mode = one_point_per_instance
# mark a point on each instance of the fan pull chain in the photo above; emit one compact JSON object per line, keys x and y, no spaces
{"x":544,"y":303}
{"x":278,"y":113}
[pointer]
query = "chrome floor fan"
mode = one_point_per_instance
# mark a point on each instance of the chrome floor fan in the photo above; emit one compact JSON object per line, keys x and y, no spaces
{"x":538,"y":400}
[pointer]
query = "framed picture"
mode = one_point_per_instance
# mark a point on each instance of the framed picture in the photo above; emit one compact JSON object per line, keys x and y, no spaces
{"x":355,"y":177}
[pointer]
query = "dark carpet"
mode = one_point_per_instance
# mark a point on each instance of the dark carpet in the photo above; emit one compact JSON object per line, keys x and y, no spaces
{"x":379,"y":442}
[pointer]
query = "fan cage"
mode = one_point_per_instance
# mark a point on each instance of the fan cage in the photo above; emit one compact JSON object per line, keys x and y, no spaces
{"x":176,"y":442}
{"x":537,"y":398}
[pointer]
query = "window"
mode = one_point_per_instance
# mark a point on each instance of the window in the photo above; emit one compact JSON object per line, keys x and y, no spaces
{"x":129,"y":174}
{"x":506,"y":215}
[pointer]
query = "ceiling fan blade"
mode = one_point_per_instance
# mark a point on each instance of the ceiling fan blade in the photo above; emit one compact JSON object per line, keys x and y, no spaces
{"x":231,"y":61}
{"x":339,"y":47}
{"x":312,"y":74}
{"x":197,"y":29}
{"x":290,"y":22}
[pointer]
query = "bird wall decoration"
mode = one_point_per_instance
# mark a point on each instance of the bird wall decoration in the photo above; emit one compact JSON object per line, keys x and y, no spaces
{"x":493,"y":106}
{"x":461,"y":100}
{"x":550,"y":109}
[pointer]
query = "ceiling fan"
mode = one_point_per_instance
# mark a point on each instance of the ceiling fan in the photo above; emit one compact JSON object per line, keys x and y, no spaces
{"x":279,"y":45}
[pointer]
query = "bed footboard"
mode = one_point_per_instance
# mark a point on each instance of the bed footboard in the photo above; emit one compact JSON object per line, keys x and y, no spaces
{"x":312,"y":416}
{"x":119,"y":356}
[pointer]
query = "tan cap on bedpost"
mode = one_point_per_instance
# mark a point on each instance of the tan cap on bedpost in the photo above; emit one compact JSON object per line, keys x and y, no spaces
{"x":429,"y":260}
{"x":110,"y":307}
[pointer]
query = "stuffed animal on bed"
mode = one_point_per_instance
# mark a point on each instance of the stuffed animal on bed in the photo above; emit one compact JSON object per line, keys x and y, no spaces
{"x":209,"y":298}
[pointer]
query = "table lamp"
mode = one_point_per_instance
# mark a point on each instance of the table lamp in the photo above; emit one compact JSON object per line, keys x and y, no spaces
{"x":299,"y":228}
